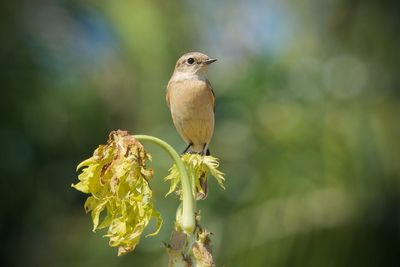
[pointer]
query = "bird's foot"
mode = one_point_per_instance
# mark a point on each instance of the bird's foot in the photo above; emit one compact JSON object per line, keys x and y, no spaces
{"x":205,"y":150}
{"x":186,"y":149}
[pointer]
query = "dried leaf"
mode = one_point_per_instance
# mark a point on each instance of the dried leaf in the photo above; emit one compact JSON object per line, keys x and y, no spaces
{"x":116,"y":177}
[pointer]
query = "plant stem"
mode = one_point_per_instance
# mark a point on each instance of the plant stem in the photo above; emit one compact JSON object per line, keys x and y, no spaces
{"x":188,"y":220}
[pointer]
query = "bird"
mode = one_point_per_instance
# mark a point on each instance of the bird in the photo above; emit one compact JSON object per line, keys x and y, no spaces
{"x":191,"y":100}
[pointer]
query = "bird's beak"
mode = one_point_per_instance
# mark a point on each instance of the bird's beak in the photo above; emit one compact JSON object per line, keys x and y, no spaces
{"x":209,"y":61}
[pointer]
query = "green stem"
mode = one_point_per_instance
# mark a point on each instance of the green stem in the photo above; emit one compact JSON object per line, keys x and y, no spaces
{"x":188,"y":220}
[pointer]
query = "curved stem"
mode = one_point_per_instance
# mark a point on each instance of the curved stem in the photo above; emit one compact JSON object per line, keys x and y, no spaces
{"x":188,"y":220}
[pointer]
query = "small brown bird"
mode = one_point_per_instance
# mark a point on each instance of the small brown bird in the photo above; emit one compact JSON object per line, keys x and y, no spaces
{"x":191,"y":100}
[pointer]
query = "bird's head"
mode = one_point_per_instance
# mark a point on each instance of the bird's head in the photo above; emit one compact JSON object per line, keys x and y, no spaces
{"x":193,"y":63}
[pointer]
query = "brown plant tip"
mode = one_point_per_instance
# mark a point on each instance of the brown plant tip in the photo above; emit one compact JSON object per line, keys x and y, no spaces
{"x":124,"y":139}
{"x":203,"y":255}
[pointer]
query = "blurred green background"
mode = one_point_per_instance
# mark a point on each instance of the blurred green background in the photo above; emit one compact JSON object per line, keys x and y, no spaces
{"x":307,"y":125}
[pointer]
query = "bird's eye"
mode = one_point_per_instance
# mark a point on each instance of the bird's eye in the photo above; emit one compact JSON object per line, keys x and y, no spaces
{"x":190,"y":60}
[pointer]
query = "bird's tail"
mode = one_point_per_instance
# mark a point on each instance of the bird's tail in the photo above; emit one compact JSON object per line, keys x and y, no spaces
{"x":200,"y":195}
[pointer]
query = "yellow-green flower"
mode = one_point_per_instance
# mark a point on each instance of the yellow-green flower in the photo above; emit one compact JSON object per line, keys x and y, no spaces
{"x":116,"y":177}
{"x":197,"y":166}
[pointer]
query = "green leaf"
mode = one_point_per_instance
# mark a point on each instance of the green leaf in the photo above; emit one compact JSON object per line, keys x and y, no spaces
{"x":157,"y":216}
{"x":85,"y":163}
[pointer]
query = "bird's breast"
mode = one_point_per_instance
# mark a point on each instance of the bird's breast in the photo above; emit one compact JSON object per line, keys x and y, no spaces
{"x":192,"y":108}
{"x":190,"y":98}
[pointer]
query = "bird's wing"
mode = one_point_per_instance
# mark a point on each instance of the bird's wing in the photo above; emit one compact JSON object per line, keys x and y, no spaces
{"x":167,"y":95}
{"x":212,"y":91}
